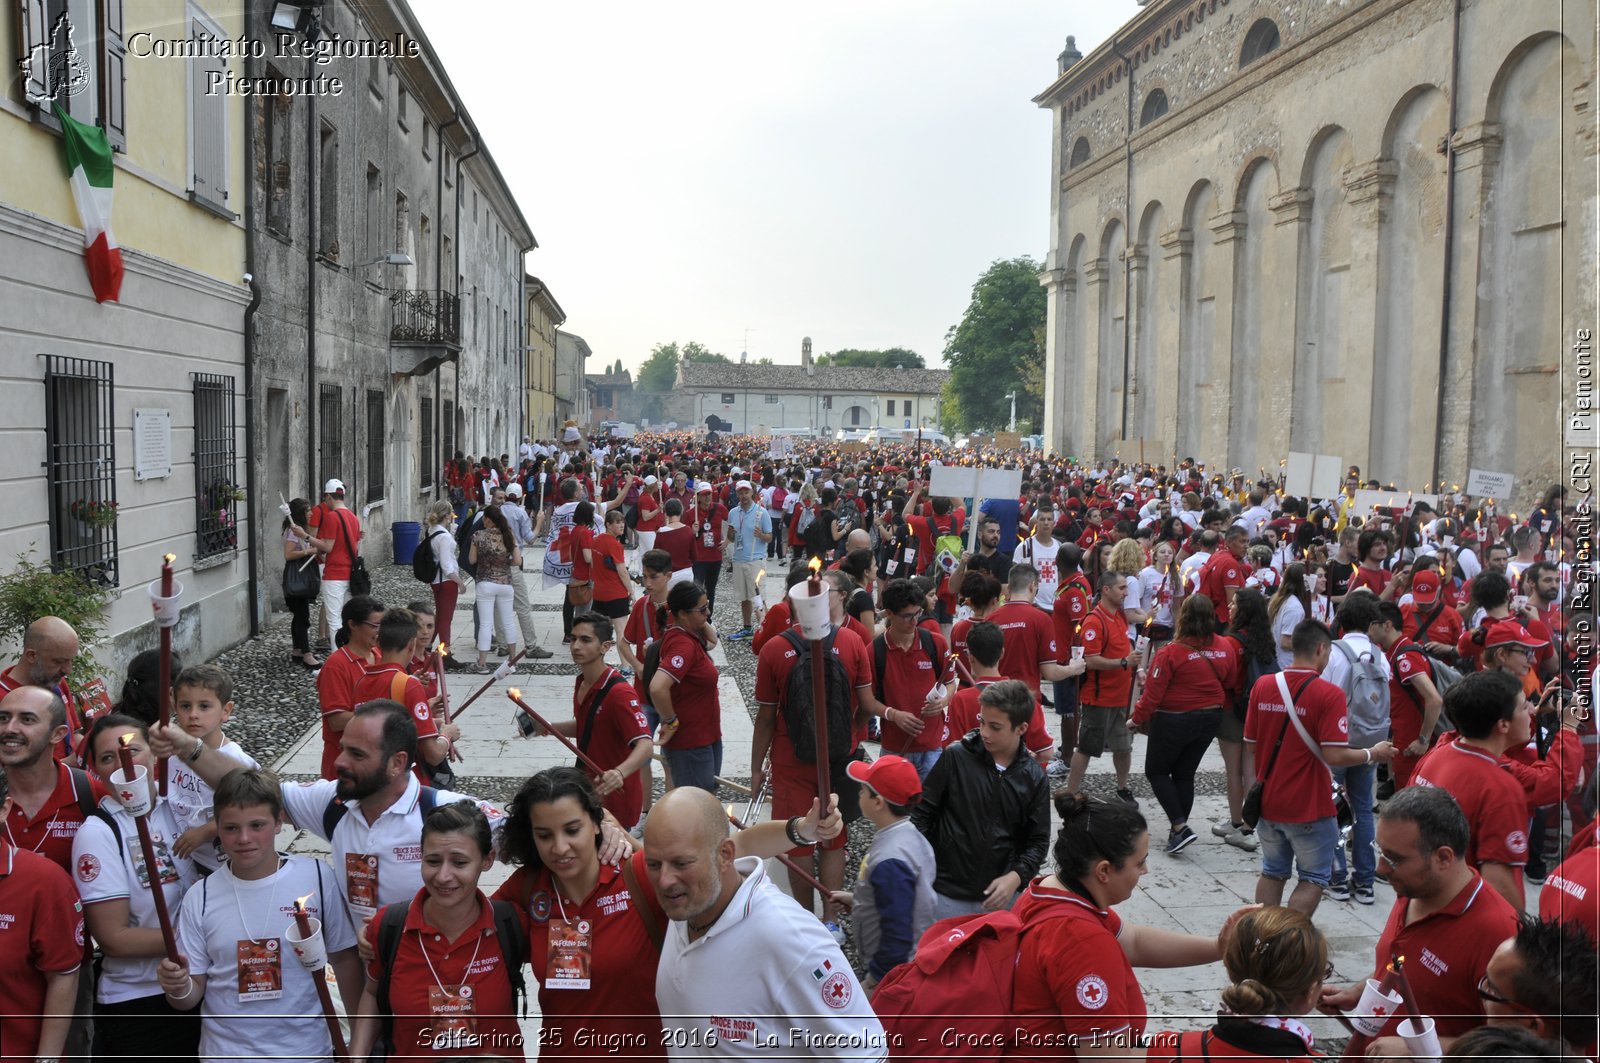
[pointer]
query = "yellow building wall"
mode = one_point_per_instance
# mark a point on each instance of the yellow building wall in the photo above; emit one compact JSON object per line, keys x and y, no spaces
{"x":150,"y":209}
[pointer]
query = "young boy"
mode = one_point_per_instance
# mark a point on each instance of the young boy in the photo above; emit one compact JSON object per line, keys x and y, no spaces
{"x":254,"y":994}
{"x":606,"y":719}
{"x":985,"y":651}
{"x":421,"y":664}
{"x":388,"y":678}
{"x":892,"y":906}
{"x":645,"y":626}
{"x":202,"y":701}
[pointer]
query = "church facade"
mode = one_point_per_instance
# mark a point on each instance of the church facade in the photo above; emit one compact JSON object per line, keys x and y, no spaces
{"x":1364,"y":229}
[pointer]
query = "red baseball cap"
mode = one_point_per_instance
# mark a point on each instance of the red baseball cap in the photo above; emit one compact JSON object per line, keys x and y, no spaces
{"x":893,"y":778}
{"x":1509,"y":633}
{"x":1425,"y":586}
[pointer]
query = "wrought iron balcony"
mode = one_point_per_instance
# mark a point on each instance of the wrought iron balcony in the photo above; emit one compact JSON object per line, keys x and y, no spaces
{"x":427,"y":318}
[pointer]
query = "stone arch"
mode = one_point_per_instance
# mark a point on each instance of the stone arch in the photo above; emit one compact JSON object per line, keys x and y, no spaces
{"x":1530,"y":202}
{"x":1321,"y":280}
{"x":1080,"y":153}
{"x":1260,"y":39}
{"x":1197,"y":307}
{"x":1155,"y":105}
{"x":1152,"y":320}
{"x":1112,"y":311}
{"x":1410,"y":277}
{"x":1251,"y":288}
{"x":1253,"y":161}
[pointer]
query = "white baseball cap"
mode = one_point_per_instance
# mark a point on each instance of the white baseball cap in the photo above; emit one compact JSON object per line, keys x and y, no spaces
{"x":648,"y":480}
{"x":333,"y":487}
{"x":743,"y":485}
{"x":513,"y":490}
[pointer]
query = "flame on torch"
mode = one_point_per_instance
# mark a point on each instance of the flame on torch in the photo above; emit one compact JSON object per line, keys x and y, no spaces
{"x":815,"y":566}
{"x":514,"y":692}
{"x":169,"y":558}
{"x":300,"y":903}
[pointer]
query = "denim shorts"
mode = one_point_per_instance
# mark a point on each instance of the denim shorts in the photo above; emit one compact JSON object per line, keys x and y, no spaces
{"x":1303,"y":848}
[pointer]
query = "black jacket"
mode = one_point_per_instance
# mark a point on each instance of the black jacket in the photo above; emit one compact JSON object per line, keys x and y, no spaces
{"x":982,"y":822}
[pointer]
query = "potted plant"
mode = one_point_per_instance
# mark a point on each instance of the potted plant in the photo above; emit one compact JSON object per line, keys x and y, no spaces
{"x":30,"y":591}
{"x":94,"y":513}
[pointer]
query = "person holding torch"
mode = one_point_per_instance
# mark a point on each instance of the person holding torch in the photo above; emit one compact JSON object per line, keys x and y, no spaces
{"x":133,"y":1018}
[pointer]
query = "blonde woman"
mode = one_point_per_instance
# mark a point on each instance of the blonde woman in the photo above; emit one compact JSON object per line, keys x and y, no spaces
{"x":1128,"y":560}
{"x":439,"y":536}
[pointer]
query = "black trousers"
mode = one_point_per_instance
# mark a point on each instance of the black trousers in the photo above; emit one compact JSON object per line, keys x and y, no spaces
{"x":1178,"y":740}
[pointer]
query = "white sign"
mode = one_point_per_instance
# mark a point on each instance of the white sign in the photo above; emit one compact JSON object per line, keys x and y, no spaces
{"x":1313,"y":475}
{"x":1367,"y":502}
{"x":1484,"y":484}
{"x":152,"y":444}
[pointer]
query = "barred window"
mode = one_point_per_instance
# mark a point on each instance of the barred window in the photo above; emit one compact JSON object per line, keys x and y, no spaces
{"x":330,"y":437}
{"x":447,"y":430}
{"x":375,"y":474}
{"x":216,"y":493}
{"x":429,"y":457}
{"x":81,"y":462}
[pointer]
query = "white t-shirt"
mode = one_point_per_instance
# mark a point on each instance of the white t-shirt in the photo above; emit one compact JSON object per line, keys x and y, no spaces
{"x":1254,"y":520}
{"x":1041,"y":556}
{"x":374,"y":863}
{"x":105,"y":871}
{"x":190,"y":799}
{"x":1189,"y":571}
{"x":764,"y":959}
{"x":1155,"y":592}
{"x":1134,"y":599}
{"x":1290,"y":613}
{"x":220,"y":915}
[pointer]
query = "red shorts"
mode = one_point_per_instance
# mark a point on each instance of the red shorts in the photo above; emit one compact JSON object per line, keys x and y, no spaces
{"x":794,"y":787}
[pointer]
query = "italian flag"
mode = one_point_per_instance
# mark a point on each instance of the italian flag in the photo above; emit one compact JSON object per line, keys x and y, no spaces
{"x":89,"y":167}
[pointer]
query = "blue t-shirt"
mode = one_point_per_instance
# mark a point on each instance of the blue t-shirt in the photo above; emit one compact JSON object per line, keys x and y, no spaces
{"x":1007,"y":511}
{"x":744,"y":524}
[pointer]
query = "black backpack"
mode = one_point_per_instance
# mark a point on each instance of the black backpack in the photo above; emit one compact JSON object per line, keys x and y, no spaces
{"x":424,"y":565}
{"x":799,"y":714}
{"x":513,"y":952}
{"x":464,"y":534}
{"x":880,"y":661}
{"x":647,"y":670}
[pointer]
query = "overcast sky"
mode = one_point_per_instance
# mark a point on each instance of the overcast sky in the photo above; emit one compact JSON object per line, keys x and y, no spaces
{"x":694,"y":169}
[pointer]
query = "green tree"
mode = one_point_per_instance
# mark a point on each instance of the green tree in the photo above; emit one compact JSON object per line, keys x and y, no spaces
{"x":660,"y":371}
{"x":890,"y":358}
{"x":616,"y":370}
{"x":998,"y":347}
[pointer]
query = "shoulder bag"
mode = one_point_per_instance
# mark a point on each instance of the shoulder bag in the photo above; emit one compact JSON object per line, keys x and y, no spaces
{"x":1341,"y":800}
{"x":360,"y":579}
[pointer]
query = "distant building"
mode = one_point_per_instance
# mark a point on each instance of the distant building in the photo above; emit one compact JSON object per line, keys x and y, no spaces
{"x":544,"y":317}
{"x":611,"y":397}
{"x":824,"y":398}
{"x":572,"y":354}
{"x":1364,"y":229}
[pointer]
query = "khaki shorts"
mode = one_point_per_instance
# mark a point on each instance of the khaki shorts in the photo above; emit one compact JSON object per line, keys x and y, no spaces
{"x":1103,"y":729}
{"x":746,"y":585}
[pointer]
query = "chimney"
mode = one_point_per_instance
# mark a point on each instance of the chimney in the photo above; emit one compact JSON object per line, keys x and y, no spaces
{"x":805,"y":357}
{"x":1070,"y":53}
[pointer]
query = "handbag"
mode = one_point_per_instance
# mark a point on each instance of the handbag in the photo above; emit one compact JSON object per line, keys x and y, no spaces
{"x":360,"y":578}
{"x":1250,"y":810}
{"x":1341,"y":800}
{"x":302,"y":580}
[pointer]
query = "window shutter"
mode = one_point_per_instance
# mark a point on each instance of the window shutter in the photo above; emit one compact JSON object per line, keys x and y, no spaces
{"x":113,"y":109}
{"x":209,"y":137}
{"x":35,"y":50}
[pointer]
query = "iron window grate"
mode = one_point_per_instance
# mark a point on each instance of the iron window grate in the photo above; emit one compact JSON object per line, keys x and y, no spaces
{"x":217,"y":493}
{"x":375,"y":441}
{"x":429,"y":458}
{"x":81,"y":467}
{"x":329,"y":436}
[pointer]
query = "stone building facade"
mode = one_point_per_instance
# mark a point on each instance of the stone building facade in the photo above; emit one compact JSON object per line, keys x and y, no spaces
{"x":544,"y":316}
{"x":1363,"y":229}
{"x":388,"y":252}
{"x":824,"y":398}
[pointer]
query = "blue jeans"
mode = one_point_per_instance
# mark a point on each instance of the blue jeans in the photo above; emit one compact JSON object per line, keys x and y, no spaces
{"x":1065,"y":696}
{"x":923,"y":761}
{"x":1358,"y":782}
{"x":1307,"y":849}
{"x":698,"y":766}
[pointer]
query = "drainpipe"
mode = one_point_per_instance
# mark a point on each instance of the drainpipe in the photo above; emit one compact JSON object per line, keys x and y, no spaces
{"x":1449,"y":241}
{"x":438,"y":276}
{"x":457,"y":267}
{"x":1127,"y":244}
{"x":252,"y":542}
{"x":312,"y":411}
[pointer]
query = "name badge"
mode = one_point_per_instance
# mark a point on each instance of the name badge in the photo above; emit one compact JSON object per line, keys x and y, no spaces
{"x":260,"y":970}
{"x":569,"y":956}
{"x":166,"y":868}
{"x":454,"y":1012}
{"x":361,"y":882}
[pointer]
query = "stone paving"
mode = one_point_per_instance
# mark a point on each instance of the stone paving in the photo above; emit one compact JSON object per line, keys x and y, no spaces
{"x":1191,"y":892}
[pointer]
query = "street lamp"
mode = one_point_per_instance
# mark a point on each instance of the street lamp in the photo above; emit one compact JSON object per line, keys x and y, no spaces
{"x":393,"y":258}
{"x":298,"y":16}
{"x":1012,"y":426}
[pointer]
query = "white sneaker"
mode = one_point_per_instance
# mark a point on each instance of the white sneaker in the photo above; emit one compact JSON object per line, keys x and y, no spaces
{"x":1244,"y":839}
{"x":1223,"y":829}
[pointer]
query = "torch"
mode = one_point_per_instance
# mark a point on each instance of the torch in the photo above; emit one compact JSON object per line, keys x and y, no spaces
{"x":961,"y":670}
{"x":440,"y":652}
{"x":305,"y":938}
{"x":810,"y":607}
{"x":516,"y":699}
{"x":499,"y":673}
{"x":132,"y":788}
{"x":164,"y":600}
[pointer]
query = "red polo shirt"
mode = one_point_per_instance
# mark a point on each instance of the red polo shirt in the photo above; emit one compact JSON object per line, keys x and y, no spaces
{"x":1105,"y":635}
{"x":1072,"y":609}
{"x":343,"y":528}
{"x":1221,"y":572}
{"x":618,"y":724}
{"x":1406,"y":663}
{"x":1491,"y":797}
{"x":1298,"y":789}
{"x":1447,"y":952}
{"x":50,"y":832}
{"x":778,"y":659}
{"x":336,"y":692}
{"x":619,"y":1007}
{"x":1184,"y":677}
{"x":695,"y":700}
{"x":908,"y":676}
{"x":41,"y":932}
{"x":1572,"y":892}
{"x":424,"y":964}
{"x":776,"y":623}
{"x":706,"y":525}
{"x":966,"y":712}
{"x":1030,"y":641}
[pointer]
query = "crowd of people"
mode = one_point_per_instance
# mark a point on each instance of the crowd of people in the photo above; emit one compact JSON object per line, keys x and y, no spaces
{"x":1400,"y":695}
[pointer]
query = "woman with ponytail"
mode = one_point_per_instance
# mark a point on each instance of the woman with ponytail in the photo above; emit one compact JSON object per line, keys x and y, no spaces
{"x":1277,"y":961}
{"x":1075,"y":992}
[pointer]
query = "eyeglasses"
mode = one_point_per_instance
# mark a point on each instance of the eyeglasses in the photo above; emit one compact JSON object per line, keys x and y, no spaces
{"x":703,"y":610}
{"x":911,"y":617}
{"x":1487,"y":991}
{"x":373,"y":624}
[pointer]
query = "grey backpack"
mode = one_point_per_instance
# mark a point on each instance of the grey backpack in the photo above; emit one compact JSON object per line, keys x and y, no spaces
{"x":1366,"y":694}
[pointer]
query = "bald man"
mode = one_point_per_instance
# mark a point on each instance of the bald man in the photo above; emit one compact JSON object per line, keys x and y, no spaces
{"x":741,"y":957}
{"x":48,"y":648}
